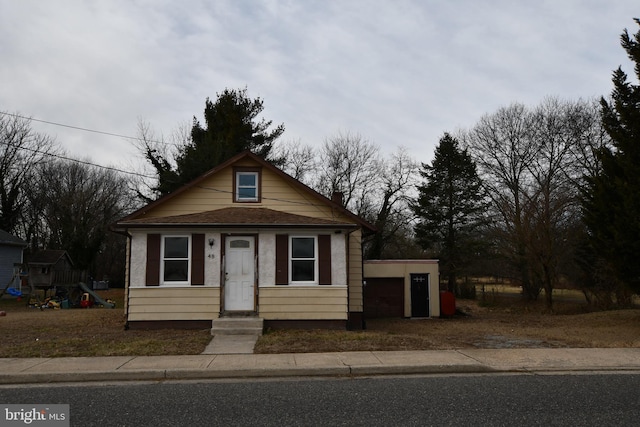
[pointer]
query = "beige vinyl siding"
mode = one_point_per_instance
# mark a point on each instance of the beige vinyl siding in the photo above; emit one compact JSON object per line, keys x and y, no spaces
{"x":216,"y":193}
{"x":194,"y":303}
{"x":355,"y":272}
{"x":303,"y":303}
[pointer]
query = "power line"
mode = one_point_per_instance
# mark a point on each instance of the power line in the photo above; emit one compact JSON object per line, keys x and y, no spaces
{"x":78,"y":128}
{"x":84,"y":162}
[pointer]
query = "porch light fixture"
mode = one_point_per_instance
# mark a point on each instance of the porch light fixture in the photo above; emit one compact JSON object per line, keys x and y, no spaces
{"x":212,"y":242}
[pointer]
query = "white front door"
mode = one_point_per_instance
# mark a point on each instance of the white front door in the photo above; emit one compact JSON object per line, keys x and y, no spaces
{"x":239,"y":273}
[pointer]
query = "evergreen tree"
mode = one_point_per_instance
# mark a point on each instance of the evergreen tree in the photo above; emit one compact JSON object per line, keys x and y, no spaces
{"x":450,"y":207}
{"x":230,"y":127}
{"x":612,"y":200}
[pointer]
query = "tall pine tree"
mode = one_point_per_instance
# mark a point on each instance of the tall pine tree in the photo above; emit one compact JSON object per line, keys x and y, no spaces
{"x":612,"y":200}
{"x":231,"y":126}
{"x":450,"y":208}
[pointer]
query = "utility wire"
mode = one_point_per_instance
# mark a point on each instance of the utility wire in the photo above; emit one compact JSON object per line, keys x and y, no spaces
{"x":58,"y":156}
{"x":84,"y":162}
{"x":78,"y":127}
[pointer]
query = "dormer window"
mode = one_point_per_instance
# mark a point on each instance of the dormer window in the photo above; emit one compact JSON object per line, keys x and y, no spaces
{"x":246,"y":185}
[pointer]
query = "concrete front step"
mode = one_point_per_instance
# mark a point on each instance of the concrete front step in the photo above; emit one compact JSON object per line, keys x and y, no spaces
{"x":237,"y":326}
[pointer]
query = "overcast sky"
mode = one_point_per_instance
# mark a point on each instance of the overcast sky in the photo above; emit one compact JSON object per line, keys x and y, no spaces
{"x":399,"y":73}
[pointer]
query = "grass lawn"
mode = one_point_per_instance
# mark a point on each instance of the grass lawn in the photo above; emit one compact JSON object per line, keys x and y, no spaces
{"x":31,"y":332}
{"x":501,"y":321}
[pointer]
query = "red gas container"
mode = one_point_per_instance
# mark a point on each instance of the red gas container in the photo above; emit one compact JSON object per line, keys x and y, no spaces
{"x":447,"y":304}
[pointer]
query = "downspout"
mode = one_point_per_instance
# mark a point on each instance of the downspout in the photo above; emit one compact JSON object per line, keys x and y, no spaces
{"x":127,"y":285}
{"x":128,"y":282}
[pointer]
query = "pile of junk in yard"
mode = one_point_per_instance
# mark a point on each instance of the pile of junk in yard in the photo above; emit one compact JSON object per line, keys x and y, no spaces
{"x":78,"y":295}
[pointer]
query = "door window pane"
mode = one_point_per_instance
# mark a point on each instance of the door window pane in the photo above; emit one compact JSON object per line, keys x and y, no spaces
{"x":239,"y":244}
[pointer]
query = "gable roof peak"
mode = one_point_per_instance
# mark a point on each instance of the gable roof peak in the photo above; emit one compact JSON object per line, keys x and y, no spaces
{"x":264,"y":163}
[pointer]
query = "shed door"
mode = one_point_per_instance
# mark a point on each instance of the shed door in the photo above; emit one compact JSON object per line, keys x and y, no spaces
{"x":384,"y":297}
{"x":420,"y":295}
{"x":239,"y":274}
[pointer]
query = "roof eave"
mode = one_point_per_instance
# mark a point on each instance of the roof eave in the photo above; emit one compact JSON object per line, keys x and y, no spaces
{"x":124,"y":227}
{"x":16,"y":244}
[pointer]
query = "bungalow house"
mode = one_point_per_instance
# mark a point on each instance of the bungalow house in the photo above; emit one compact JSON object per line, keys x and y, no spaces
{"x":11,"y":252}
{"x":246,"y":239}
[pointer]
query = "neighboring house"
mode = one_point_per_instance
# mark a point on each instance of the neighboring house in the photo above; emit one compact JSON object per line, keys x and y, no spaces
{"x":52,"y":267}
{"x":11,"y":250}
{"x":244,"y":238}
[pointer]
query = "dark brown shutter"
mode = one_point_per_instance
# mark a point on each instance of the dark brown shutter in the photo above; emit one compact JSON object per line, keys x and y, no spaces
{"x":324,"y":259}
{"x":153,"y":260}
{"x":197,"y":259}
{"x":282,"y":259}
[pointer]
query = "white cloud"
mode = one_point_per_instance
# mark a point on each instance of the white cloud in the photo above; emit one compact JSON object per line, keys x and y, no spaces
{"x":398,"y":73}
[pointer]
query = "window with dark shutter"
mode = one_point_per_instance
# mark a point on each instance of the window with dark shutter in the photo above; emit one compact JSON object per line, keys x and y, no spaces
{"x":197,"y":259}
{"x":324,"y":259}
{"x":175,"y":260}
{"x":282,"y":259}
{"x":153,"y":260}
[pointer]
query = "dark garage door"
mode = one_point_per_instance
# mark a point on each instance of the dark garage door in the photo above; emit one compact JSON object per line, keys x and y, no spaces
{"x":384,"y":297}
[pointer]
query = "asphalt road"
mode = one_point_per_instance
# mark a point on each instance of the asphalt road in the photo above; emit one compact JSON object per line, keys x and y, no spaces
{"x":491,"y":400}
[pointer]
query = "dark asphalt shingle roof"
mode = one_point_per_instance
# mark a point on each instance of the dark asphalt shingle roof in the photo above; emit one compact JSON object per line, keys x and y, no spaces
{"x":10,"y":239}
{"x":239,"y":216}
{"x":48,"y":256}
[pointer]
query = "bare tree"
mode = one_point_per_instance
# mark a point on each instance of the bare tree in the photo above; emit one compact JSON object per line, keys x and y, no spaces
{"x":298,"y":160}
{"x":21,"y":151}
{"x":532,"y":162}
{"x":161,"y":156}
{"x":503,"y":146}
{"x":554,"y":200}
{"x":583,"y":119}
{"x":375,"y":188}
{"x":397,"y":181}
{"x":78,"y":203}
{"x":348,"y":164}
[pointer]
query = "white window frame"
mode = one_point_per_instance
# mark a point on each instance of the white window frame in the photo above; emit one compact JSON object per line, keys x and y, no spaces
{"x":315,"y":260}
{"x":163,"y":260}
{"x":256,"y":176}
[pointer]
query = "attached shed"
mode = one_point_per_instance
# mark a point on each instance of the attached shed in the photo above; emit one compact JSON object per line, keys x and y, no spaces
{"x":401,"y":288}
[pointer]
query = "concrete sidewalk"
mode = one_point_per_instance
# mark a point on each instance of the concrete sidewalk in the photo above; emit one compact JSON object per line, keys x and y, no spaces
{"x":119,"y":368}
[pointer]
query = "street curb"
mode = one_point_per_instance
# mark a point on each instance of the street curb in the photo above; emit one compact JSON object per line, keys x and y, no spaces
{"x":355,"y":371}
{"x":195,"y":374}
{"x":73,"y":377}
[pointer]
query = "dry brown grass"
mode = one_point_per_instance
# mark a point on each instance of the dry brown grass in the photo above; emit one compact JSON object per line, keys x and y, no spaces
{"x":501,"y":322}
{"x":504,"y":323}
{"x":30,"y":332}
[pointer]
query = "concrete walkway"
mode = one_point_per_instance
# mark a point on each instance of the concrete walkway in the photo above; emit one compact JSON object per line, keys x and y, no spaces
{"x":231,"y":344}
{"x":158,"y":368}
